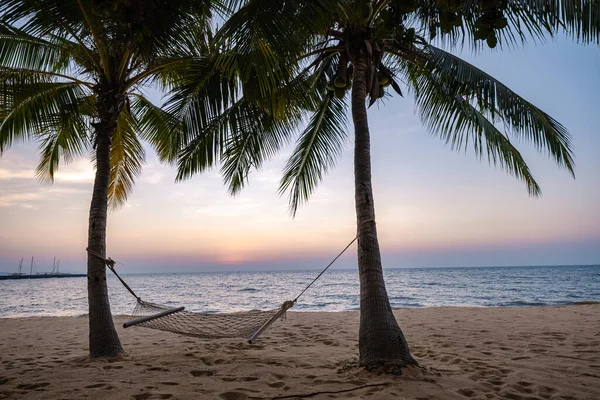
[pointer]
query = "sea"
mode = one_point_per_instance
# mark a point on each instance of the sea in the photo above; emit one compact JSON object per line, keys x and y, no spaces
{"x":336,"y":290}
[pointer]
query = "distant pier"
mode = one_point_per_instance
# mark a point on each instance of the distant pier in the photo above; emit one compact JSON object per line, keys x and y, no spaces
{"x":41,"y":276}
{"x":54,"y":274}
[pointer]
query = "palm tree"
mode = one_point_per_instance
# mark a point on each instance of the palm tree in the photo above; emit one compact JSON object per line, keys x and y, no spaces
{"x":72,"y":76}
{"x":297,"y":61}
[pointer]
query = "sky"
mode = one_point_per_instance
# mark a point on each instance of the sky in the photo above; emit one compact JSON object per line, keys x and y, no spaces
{"x":434,"y":207}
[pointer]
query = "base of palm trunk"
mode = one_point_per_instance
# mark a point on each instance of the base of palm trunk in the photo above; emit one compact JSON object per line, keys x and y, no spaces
{"x":112,"y":351}
{"x":103,"y":339}
{"x":381,"y":342}
{"x":393,"y":367}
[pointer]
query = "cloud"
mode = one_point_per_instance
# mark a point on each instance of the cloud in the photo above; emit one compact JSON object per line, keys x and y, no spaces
{"x":6,"y":174}
{"x":78,"y":171}
{"x":20,"y":196}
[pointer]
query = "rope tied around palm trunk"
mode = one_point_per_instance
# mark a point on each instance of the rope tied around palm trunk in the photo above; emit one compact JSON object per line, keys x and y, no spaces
{"x":110,"y":263}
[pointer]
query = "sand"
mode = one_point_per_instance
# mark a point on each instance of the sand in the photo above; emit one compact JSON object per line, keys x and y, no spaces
{"x":477,"y":353}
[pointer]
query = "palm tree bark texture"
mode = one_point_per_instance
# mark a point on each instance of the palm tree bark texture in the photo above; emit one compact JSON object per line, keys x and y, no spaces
{"x":103,"y":340}
{"x":381,"y":341}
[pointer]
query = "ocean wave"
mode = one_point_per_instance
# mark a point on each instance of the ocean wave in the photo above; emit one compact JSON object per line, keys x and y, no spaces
{"x":407,"y":288}
{"x":522,"y":303}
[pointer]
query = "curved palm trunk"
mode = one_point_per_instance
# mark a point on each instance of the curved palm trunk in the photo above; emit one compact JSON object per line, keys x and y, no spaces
{"x":103,"y":340}
{"x":381,"y":341}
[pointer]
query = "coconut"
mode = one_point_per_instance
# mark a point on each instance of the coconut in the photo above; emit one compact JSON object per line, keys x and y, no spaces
{"x":340,"y":81}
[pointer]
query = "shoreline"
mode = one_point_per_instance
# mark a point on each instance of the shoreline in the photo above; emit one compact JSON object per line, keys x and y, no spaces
{"x":395,"y":309}
{"x":546,"y":352}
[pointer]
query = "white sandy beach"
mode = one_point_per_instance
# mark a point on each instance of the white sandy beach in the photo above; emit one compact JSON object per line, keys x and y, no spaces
{"x":476,"y":353}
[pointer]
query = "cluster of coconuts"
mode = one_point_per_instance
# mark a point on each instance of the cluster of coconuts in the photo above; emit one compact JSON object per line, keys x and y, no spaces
{"x":449,"y":15}
{"x":384,"y":82}
{"x":487,"y":24}
{"x":392,"y":18}
{"x":360,"y":11}
{"x":124,"y":16}
{"x":339,"y":86}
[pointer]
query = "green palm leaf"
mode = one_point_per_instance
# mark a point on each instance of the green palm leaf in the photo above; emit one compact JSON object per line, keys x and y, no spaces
{"x":207,"y":146}
{"x":159,"y":128}
{"x":264,"y":58}
{"x":126,"y":159}
{"x":449,"y":115}
{"x":527,"y":19}
{"x":67,"y":138}
{"x":34,"y":107}
{"x":521,"y":118}
{"x":317,"y":150}
{"x":19,"y":50}
{"x":254,"y":138}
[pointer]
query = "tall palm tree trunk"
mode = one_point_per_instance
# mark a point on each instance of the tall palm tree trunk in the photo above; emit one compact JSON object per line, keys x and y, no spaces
{"x":103,"y":340}
{"x":381,"y":341}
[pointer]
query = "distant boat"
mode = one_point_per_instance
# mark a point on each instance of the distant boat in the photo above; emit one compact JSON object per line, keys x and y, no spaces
{"x":54,"y":274}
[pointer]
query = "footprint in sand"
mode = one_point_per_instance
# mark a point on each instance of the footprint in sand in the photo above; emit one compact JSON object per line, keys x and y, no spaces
{"x":467,"y":392}
{"x":147,"y":396}
{"x":33,"y":386}
{"x":113,"y":367}
{"x":243,"y":379}
{"x":520,"y":358}
{"x":99,"y":385}
{"x":205,"y":372}
{"x":158,"y":369}
{"x":233,"y":396}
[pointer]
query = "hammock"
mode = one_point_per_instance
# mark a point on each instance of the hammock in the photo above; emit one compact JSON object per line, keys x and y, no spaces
{"x":205,"y":326}
{"x":247,"y":324}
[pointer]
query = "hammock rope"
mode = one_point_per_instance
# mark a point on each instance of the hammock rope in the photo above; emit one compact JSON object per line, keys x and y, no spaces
{"x":246,"y":324}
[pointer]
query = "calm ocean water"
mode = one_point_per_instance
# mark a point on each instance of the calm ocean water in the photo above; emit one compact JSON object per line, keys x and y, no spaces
{"x":336,"y":290}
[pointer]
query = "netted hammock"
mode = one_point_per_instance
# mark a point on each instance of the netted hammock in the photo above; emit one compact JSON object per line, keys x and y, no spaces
{"x":246,"y":324}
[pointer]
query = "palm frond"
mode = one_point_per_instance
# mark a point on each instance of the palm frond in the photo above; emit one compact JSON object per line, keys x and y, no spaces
{"x":448,"y":114}
{"x":578,"y":19}
{"x":126,"y":159}
{"x":317,"y":150}
{"x":159,"y":128}
{"x":20,"y":50}
{"x":66,"y":140}
{"x":209,"y":138}
{"x":199,"y":93}
{"x":254,"y":138}
{"x":522,"y":119}
{"x":171,"y":27}
{"x":526,"y":20}
{"x":32,"y":106}
{"x":61,"y":20}
{"x":264,"y":58}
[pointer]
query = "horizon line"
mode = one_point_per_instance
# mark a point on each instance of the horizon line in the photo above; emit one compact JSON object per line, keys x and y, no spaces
{"x":229,"y":270}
